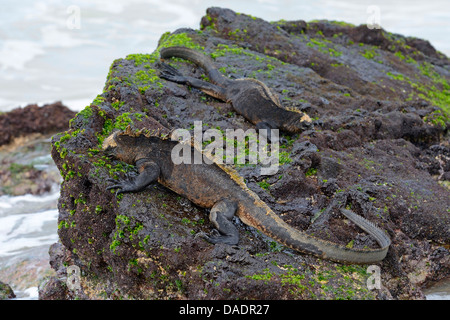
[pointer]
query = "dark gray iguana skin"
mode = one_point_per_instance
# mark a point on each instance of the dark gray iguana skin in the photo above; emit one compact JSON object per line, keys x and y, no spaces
{"x":249,"y":97}
{"x":223,"y":191}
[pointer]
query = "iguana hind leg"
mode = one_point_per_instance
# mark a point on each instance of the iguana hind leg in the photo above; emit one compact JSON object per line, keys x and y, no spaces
{"x":171,"y":74}
{"x":221,"y":214}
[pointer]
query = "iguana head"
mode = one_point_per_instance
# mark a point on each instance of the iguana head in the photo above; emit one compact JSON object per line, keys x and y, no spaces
{"x":305,"y":122}
{"x":127,"y":145}
{"x":121,"y":145}
{"x":299,"y":122}
{"x":115,"y":147}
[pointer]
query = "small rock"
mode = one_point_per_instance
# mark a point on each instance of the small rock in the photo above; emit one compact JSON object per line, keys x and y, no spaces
{"x":6,"y":292}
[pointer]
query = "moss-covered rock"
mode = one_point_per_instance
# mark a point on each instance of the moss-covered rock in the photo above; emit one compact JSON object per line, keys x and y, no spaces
{"x":380,"y":146}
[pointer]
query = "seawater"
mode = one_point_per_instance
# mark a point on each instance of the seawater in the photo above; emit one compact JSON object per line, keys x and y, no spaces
{"x":439,"y":291}
{"x":28,"y":223}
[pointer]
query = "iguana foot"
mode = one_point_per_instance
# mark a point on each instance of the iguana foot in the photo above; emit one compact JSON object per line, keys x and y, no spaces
{"x":170,"y":73}
{"x":221,"y":214}
{"x":215,"y":237}
{"x":123,"y":185}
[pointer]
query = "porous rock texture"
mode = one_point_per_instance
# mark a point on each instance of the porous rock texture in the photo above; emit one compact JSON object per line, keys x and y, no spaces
{"x":380,"y":146}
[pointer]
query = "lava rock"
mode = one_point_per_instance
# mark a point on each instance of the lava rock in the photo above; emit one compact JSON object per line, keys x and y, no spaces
{"x":370,"y":151}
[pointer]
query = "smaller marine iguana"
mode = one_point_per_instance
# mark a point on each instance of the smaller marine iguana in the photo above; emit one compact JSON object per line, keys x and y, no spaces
{"x":222,"y":190}
{"x":249,"y":97}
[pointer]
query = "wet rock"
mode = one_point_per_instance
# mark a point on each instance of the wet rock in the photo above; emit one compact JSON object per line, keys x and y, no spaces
{"x":423,"y":46}
{"x":379,"y":147}
{"x":329,"y":186}
{"x":25,"y":163}
{"x":6,"y":292}
{"x":23,"y":179}
{"x":53,"y":289}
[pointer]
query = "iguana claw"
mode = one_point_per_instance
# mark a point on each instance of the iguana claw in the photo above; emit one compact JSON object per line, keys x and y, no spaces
{"x":170,"y":73}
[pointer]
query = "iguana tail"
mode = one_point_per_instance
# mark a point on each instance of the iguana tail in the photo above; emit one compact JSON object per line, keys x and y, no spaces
{"x":265,"y":220}
{"x":199,"y":59}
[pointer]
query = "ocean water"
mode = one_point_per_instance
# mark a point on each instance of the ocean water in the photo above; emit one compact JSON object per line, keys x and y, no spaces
{"x":28,"y":226}
{"x":62,"y":50}
{"x":28,"y":223}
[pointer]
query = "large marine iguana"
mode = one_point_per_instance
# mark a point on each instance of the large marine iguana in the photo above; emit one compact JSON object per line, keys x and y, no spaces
{"x":221,"y":189}
{"x":249,"y":97}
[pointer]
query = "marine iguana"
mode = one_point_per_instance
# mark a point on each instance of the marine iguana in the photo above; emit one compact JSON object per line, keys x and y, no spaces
{"x":249,"y":97}
{"x":221,"y":189}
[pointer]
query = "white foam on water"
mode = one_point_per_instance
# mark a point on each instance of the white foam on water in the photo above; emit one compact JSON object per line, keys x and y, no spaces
{"x":439,"y":291}
{"x":31,"y":293}
{"x":9,"y":202}
{"x":438,"y":296}
{"x":27,"y":221}
{"x":23,"y":231}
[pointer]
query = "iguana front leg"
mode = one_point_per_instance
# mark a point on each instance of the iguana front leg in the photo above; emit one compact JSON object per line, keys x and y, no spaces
{"x":170,"y":73}
{"x":221,"y":214}
{"x":148,"y":173}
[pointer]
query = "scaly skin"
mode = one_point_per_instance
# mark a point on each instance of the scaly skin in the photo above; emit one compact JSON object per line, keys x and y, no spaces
{"x":223,"y":190}
{"x":249,"y":97}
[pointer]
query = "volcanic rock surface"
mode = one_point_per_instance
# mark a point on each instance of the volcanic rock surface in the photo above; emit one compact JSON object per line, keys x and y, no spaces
{"x":380,"y":146}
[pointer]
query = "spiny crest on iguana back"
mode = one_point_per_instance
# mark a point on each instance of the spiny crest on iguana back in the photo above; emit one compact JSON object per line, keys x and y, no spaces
{"x":265,"y":91}
{"x":110,"y":141}
{"x":232,"y":173}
